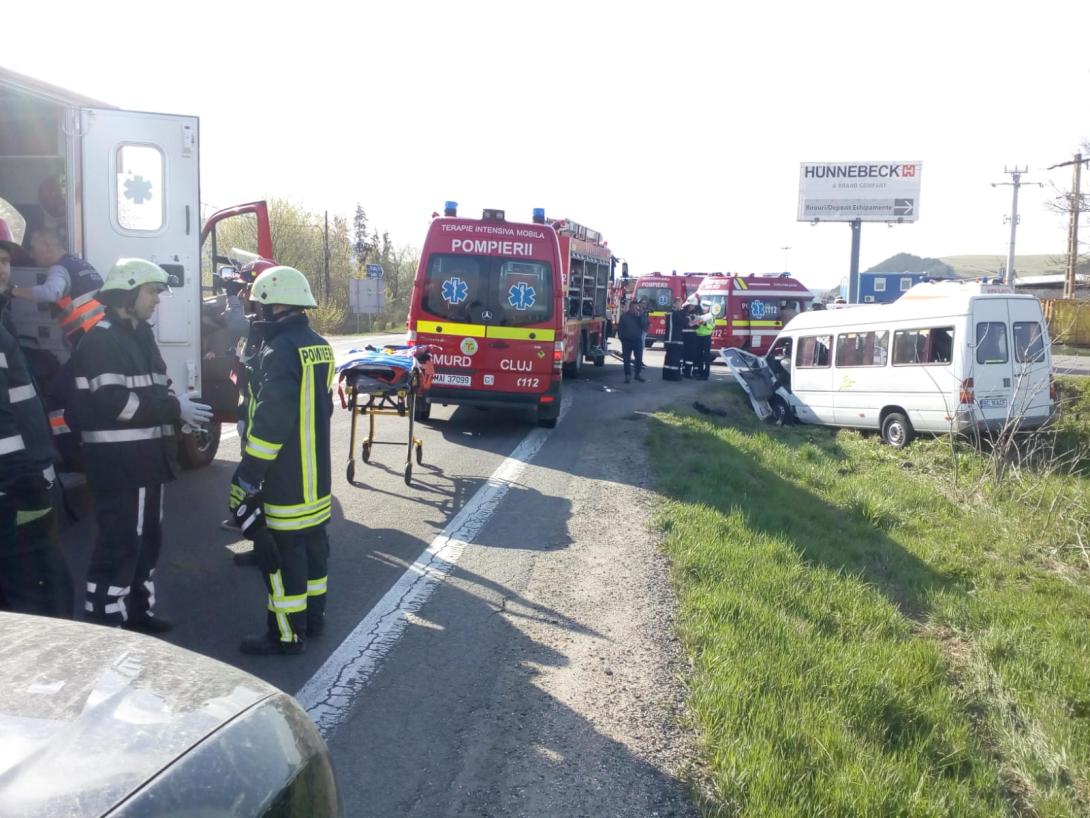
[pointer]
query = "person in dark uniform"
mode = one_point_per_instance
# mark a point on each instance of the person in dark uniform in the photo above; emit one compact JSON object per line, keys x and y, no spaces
{"x":128,"y":416}
{"x":34,"y":577}
{"x":245,"y":351}
{"x":688,"y":338}
{"x":281,"y":491}
{"x":630,"y":330}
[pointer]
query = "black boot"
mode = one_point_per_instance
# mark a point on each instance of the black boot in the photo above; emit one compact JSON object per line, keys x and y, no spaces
{"x":148,"y":623}
{"x":263,"y":645}
{"x":244,"y":558}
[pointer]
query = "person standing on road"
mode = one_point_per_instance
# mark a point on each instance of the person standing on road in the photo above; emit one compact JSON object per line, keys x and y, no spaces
{"x":703,"y":327}
{"x":34,"y":578}
{"x":281,"y":491}
{"x":630,"y":330}
{"x":128,"y":415}
{"x":245,"y":355}
{"x":688,"y":338}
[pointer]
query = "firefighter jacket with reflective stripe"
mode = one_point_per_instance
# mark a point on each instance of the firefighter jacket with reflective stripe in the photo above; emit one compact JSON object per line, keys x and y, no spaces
{"x":78,"y":310}
{"x":287,"y":434}
{"x":126,"y":411}
{"x":706,"y":325}
{"x":26,"y":445}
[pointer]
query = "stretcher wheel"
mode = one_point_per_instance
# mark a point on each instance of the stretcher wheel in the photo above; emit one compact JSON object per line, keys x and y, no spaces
{"x":409,"y":474}
{"x":420,"y":454}
{"x":365,"y":452}
{"x":350,"y":472}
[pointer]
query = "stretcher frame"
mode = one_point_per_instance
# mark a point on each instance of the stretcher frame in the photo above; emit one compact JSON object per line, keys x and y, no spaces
{"x":382,"y":399}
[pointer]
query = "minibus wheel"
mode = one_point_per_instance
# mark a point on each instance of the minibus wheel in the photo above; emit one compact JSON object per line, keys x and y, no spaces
{"x":897,"y":431}
{"x":781,"y":415}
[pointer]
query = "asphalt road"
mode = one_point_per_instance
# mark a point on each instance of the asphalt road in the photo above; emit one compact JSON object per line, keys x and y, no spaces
{"x":412,"y":731}
{"x":500,"y":692}
{"x":1071,"y":364}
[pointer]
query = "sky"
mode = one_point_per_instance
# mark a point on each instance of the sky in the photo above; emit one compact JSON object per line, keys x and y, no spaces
{"x":675,"y":129}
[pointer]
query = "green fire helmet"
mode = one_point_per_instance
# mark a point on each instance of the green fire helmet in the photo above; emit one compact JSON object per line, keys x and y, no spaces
{"x":130,"y":273}
{"x":282,"y":285}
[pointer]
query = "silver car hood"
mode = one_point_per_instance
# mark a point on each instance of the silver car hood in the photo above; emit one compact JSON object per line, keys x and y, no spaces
{"x":88,"y":714}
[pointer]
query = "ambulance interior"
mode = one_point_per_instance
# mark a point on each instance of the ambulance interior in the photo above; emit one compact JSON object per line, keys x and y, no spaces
{"x":33,"y":195}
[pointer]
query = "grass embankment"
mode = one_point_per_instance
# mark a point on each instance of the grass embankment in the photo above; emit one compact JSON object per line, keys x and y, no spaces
{"x":868,"y":637}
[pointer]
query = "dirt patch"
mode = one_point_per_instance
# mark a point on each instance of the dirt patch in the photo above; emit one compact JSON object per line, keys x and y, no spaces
{"x":631,"y":753}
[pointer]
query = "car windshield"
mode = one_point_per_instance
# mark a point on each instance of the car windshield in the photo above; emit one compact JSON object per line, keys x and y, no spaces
{"x":656,"y":298}
{"x":488,"y":290}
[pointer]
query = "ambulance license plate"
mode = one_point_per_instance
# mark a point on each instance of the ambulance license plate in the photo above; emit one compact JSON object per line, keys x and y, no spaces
{"x":993,"y":403}
{"x":446,"y":379}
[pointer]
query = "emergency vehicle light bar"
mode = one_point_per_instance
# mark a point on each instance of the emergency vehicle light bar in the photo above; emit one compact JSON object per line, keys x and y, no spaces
{"x":539,"y":215}
{"x":490,"y":215}
{"x":450,"y":208}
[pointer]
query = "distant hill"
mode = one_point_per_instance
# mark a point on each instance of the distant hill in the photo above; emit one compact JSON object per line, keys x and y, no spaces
{"x":970,"y":266}
{"x":973,"y":266}
{"x":908,"y":263}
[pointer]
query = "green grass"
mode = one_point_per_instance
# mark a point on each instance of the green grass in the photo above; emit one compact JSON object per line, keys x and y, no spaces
{"x":868,"y":637}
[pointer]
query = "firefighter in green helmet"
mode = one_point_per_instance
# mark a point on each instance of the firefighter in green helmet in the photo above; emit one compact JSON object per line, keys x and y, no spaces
{"x":129,"y":418}
{"x":281,"y":491}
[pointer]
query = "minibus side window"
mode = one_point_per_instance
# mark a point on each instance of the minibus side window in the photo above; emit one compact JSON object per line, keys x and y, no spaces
{"x":814,"y":351}
{"x":934,"y":345}
{"x":862,"y":349}
{"x":991,"y":342}
{"x":1029,"y":342}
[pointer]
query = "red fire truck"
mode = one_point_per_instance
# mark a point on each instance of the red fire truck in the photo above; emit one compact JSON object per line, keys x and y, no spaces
{"x":751,"y":310}
{"x":511,"y":308}
{"x":659,"y":291}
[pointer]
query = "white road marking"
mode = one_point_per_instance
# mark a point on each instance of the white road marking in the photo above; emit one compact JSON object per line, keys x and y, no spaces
{"x":330,"y":693}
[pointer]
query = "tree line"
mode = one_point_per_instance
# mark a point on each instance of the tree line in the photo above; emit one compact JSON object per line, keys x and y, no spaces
{"x":330,"y":250}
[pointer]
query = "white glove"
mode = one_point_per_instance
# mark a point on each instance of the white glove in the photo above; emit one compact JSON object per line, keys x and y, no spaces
{"x":193,"y":414}
{"x":240,"y":427}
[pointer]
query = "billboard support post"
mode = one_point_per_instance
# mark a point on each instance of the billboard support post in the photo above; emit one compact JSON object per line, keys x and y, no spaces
{"x":853,"y":275}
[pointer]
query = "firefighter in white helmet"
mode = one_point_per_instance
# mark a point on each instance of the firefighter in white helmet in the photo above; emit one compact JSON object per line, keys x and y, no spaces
{"x":280,"y":493}
{"x":128,"y":416}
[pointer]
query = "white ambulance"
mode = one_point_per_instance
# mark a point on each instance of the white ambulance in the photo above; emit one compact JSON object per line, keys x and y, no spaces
{"x":116,"y":183}
{"x":946,"y":356}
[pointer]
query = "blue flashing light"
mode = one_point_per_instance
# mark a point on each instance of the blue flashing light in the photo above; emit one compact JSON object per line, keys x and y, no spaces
{"x":450,"y":208}
{"x":539,"y":215}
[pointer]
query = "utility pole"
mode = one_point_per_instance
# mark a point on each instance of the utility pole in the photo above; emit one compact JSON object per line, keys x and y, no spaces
{"x":1073,"y":229}
{"x":325,"y":256}
{"x":1016,"y":176}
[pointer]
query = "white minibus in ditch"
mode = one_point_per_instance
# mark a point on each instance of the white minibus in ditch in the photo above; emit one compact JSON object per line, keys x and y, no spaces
{"x":946,"y":356}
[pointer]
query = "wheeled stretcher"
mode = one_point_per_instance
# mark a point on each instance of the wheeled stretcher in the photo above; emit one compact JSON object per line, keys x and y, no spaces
{"x":384,"y":381}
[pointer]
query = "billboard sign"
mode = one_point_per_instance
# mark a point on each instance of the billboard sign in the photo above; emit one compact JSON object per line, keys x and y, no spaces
{"x":868,"y":191}
{"x":366,"y":296}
